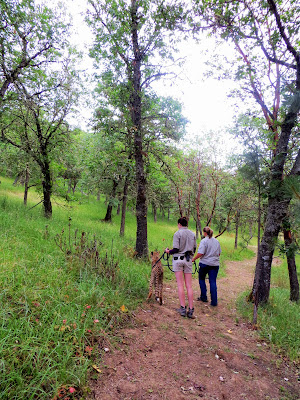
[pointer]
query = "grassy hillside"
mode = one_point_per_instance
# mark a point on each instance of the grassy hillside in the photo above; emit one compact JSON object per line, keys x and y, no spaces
{"x":65,"y":284}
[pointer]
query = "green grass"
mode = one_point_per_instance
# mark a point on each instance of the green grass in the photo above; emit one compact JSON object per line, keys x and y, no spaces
{"x":279,"y":320}
{"x":56,"y":309}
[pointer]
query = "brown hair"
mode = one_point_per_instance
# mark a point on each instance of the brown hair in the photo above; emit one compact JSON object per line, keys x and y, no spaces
{"x":208,"y":231}
{"x":183,"y":221}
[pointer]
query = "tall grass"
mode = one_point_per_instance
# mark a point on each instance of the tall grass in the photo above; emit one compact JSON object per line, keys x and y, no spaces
{"x":56,"y":308}
{"x":61,"y":295}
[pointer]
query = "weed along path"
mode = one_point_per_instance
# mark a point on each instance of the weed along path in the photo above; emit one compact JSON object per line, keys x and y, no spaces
{"x":215,"y":356}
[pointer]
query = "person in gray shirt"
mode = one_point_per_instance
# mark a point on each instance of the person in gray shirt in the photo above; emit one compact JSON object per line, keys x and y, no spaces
{"x":184,"y":247}
{"x":209,"y":252}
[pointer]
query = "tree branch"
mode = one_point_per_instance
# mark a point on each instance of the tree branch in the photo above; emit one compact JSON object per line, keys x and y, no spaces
{"x":273,"y":9}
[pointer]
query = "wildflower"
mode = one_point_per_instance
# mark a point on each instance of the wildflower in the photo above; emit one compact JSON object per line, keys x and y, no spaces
{"x":88,"y":306}
{"x":64,"y":321}
{"x":96,"y":321}
{"x":88,"y":350}
{"x":72,"y":390}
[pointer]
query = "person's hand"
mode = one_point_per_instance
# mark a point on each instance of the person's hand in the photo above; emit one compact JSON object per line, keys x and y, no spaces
{"x":167,"y":250}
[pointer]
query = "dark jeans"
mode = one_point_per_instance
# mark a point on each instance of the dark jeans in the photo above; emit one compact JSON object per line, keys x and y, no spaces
{"x":212,"y":272}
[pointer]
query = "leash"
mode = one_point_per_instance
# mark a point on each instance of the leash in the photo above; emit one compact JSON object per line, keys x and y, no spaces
{"x":168,"y":263}
{"x":159,"y":259}
{"x":167,"y":259}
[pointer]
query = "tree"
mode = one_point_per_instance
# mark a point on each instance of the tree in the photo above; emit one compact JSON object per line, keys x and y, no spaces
{"x":272,"y":29}
{"x":35,"y":83}
{"x":29,"y":38}
{"x":130,"y":38}
{"x":35,"y":120}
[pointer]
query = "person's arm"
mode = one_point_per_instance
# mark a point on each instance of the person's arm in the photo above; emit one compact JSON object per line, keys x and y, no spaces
{"x":201,"y":251}
{"x":198,"y":255}
{"x":172,"y":251}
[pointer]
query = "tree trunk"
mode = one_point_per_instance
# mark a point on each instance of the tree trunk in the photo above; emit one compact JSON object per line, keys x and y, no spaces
{"x":26,"y":188}
{"x":259,"y":217}
{"x":47,"y":190}
{"x":119,"y":207}
{"x":278,"y":201}
{"x":74,"y":185}
{"x":141,"y":203}
{"x":198,"y":228}
{"x":188,"y":211}
{"x":17,"y":179}
{"x":136,"y":118}
{"x":290,"y":256}
{"x":124,"y":203}
{"x":108,"y":215}
{"x":179,"y":200}
{"x":214,"y":204}
{"x":277,"y":211}
{"x":154,"y":212}
{"x":237,"y":221}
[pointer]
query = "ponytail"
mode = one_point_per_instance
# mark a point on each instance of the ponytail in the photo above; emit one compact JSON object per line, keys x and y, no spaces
{"x":208,"y":231}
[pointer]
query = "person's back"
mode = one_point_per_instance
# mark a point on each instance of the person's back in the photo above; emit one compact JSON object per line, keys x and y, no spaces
{"x":211,"y":250}
{"x":184,"y":240}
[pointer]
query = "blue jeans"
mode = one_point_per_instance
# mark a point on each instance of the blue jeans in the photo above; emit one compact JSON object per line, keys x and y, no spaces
{"x":212,"y":272}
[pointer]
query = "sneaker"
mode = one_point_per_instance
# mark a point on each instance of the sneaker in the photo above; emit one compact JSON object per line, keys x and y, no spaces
{"x":200,"y":299}
{"x":181,"y":311}
{"x":189,"y":314}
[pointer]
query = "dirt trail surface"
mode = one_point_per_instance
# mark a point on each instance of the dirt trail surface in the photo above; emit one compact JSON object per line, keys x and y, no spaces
{"x":215,"y":356}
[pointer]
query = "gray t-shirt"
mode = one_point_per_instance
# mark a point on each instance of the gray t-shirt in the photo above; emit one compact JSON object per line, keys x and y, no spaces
{"x":184,"y":240}
{"x":211,"y":250}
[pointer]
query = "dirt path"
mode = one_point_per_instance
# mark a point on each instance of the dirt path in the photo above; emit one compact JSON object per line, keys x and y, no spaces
{"x":215,"y":356}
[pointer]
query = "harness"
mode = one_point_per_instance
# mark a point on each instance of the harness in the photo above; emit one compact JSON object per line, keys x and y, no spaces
{"x":166,"y":258}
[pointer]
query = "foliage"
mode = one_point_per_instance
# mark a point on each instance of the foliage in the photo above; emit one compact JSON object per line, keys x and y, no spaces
{"x":30,"y":38}
{"x":37,"y":85}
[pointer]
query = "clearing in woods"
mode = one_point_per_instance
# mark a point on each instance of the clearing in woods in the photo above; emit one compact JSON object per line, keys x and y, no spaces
{"x":215,"y":356}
